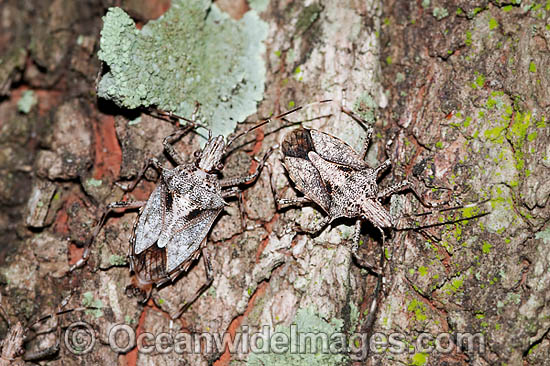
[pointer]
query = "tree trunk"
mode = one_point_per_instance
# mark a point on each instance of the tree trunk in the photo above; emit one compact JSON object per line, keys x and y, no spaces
{"x":458,"y":96}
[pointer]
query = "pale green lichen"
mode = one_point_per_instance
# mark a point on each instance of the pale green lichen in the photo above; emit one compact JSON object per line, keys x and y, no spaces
{"x":117,"y":260}
{"x":93,"y":182}
{"x":95,"y":306}
{"x":365,"y":106}
{"x":440,"y":13}
{"x":544,"y":236}
{"x":27,"y":101}
{"x":310,"y":323}
{"x":258,"y":5}
{"x":307,"y":17}
{"x":193,"y":53}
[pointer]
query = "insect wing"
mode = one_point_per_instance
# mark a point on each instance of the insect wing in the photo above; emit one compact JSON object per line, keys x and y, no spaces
{"x":296,"y":146}
{"x":335,"y":150}
{"x":150,"y":221}
{"x":308,"y":181}
{"x":187,"y":240}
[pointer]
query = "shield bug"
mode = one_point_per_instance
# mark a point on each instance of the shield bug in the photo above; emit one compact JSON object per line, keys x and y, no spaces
{"x":173,"y":224}
{"x":331,"y":174}
{"x":334,"y":176}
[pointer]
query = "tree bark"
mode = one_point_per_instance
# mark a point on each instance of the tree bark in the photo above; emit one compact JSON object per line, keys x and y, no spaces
{"x":458,"y":96}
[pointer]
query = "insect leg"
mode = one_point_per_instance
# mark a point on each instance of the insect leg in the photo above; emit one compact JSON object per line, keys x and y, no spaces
{"x":382,"y":167}
{"x":204,"y":287}
{"x":236,"y":192}
{"x":366,"y":143}
{"x":286,"y":202}
{"x":13,"y":343}
{"x":318,"y":227}
{"x":112,"y":206}
{"x":150,"y":162}
{"x":231,"y":192}
{"x":363,"y":123}
{"x":356,"y":236}
{"x":170,"y":139}
{"x":248,"y":178}
{"x":281,"y":203}
{"x":46,"y":352}
{"x":393,"y":189}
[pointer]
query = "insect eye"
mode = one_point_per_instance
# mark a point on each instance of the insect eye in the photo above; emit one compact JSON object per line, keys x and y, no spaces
{"x":219,"y":166}
{"x":197,"y":153}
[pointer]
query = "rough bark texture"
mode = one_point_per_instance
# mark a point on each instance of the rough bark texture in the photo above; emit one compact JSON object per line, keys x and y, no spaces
{"x":460,"y":88}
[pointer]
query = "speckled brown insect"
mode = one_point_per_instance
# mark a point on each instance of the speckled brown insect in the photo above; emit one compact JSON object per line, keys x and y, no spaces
{"x":335,"y":177}
{"x":173,"y":224}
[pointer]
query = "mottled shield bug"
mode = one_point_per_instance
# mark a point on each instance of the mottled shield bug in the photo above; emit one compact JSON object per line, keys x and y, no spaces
{"x":173,"y":224}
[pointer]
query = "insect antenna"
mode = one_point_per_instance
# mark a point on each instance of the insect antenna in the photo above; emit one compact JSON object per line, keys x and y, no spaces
{"x":422,"y":228}
{"x":264,"y":122}
{"x":170,"y":116}
{"x":475,"y":215}
{"x":281,"y":117}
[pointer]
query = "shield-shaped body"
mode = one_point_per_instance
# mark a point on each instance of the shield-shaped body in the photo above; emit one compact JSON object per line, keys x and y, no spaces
{"x":173,"y":225}
{"x":331,"y":174}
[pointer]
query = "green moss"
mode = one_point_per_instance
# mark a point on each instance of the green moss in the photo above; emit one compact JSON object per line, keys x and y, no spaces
{"x":517,"y":134}
{"x":532,"y":67}
{"x":419,"y":359}
{"x":422,"y":270}
{"x":494,"y":134}
{"x":26,"y":102}
{"x":193,"y":53}
{"x":486,"y":248}
{"x":479,"y":81}
{"x":476,"y":11}
{"x":457,"y":283}
{"x":468,"y":40}
{"x":419,"y":310}
{"x":309,"y":353}
{"x":493,"y":23}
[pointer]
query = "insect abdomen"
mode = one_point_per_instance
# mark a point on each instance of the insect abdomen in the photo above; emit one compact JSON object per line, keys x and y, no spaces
{"x":150,"y":265}
{"x":297,"y":144}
